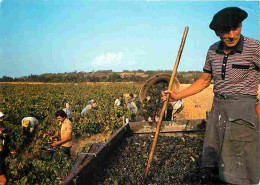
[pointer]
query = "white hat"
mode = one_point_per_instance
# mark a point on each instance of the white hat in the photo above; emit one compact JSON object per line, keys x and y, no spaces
{"x":1,"y":115}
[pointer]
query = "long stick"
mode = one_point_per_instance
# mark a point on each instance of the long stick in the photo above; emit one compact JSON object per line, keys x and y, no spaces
{"x":165,"y":103}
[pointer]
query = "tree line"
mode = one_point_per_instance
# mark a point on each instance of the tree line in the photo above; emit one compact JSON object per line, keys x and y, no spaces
{"x":102,"y":76}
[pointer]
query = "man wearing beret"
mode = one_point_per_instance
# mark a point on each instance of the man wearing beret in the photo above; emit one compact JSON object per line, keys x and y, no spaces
{"x":231,"y":141}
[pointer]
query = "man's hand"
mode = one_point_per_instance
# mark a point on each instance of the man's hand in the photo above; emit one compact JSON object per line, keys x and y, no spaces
{"x":56,"y":143}
{"x":13,"y":152}
{"x":173,"y":96}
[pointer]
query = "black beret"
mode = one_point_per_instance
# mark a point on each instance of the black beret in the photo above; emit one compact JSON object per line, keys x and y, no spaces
{"x":227,"y":18}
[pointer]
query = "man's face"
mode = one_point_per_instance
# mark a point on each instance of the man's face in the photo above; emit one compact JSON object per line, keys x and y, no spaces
{"x":60,"y":119}
{"x":231,"y":38}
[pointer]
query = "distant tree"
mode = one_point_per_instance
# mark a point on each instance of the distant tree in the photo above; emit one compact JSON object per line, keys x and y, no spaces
{"x":103,"y":79}
{"x":92,"y":78}
{"x":135,"y":78}
{"x":104,"y":76}
{"x":114,"y":77}
{"x":6,"y":79}
{"x":32,"y":78}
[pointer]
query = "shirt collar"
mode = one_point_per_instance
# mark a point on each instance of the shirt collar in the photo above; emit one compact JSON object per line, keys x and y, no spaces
{"x":238,"y":48}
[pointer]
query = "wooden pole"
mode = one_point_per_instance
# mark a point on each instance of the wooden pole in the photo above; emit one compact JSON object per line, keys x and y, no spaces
{"x":165,"y":103}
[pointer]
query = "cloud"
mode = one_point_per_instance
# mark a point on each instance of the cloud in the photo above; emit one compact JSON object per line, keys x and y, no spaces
{"x":108,"y":59}
{"x":1,"y":1}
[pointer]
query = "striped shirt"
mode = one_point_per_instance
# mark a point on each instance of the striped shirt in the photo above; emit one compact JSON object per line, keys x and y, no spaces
{"x":238,"y":72}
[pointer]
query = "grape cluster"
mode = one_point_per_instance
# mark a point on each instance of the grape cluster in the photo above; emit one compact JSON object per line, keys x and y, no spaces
{"x":176,"y":161}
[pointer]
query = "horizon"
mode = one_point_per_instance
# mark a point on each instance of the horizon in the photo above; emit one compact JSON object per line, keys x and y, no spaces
{"x":101,"y":71}
{"x":57,"y":36}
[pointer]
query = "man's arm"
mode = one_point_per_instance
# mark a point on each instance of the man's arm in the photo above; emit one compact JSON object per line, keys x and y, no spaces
{"x":64,"y":140}
{"x":136,"y":109}
{"x":202,"y":83}
{"x":55,"y":135}
{"x":67,"y":137}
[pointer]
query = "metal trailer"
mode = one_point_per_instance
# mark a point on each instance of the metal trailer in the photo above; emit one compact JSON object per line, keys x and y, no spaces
{"x":88,"y":162}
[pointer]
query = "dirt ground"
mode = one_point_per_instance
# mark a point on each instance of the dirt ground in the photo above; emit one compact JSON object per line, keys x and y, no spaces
{"x":196,"y":106}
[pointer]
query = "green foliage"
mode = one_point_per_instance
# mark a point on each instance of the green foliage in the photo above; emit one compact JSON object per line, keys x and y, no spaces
{"x":114,"y":77}
{"x":42,"y":101}
{"x":28,"y":169}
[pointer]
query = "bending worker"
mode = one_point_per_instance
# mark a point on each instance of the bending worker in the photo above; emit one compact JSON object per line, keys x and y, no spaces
{"x":88,"y":107}
{"x":230,"y":142}
{"x":29,"y":124}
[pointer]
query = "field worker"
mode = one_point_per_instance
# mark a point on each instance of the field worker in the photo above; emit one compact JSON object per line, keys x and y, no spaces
{"x":117,"y":101}
{"x":88,"y":107}
{"x":29,"y":125}
{"x":119,"y":106}
{"x":2,"y":158}
{"x":230,"y":142}
{"x":131,"y":105}
{"x":4,"y":149}
{"x":67,"y":109}
{"x":65,"y":133}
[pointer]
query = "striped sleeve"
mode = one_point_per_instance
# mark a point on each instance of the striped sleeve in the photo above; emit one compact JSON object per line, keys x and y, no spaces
{"x":256,"y":57}
{"x":207,"y":67}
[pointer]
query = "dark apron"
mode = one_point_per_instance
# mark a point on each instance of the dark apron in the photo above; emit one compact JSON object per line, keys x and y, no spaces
{"x":231,"y":139}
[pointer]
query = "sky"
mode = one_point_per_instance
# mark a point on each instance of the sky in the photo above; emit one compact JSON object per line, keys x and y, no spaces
{"x":57,"y":36}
